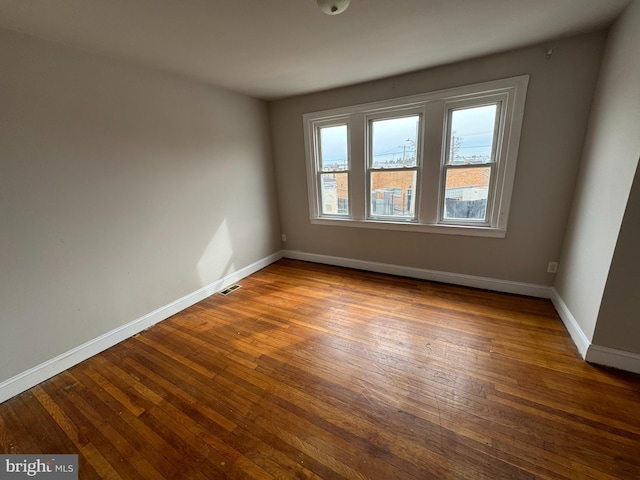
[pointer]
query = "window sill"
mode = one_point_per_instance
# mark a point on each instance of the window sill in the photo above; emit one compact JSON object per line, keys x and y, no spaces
{"x":466,"y":230}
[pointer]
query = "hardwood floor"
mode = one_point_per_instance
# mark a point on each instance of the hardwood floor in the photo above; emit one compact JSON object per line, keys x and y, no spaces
{"x":312,"y":371}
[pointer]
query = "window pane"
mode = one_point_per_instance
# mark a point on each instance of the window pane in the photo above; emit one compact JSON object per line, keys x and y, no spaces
{"x":394,"y":141}
{"x":333,"y":148}
{"x":393,"y":194}
{"x":335,"y":193}
{"x":467,"y":191}
{"x":472,"y":132}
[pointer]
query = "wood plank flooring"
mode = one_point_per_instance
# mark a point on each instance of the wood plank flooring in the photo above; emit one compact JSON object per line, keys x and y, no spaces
{"x":318,"y":372}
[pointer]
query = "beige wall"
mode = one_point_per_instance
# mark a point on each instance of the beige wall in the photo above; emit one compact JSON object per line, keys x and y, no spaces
{"x":607,"y":170}
{"x":618,"y":324}
{"x":556,"y":114}
{"x":121,"y":190}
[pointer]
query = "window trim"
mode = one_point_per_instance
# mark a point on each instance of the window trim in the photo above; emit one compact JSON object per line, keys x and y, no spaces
{"x":428,"y":205}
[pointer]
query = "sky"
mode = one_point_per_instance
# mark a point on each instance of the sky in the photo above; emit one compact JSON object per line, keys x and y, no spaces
{"x":393,"y":138}
{"x":474,"y":127}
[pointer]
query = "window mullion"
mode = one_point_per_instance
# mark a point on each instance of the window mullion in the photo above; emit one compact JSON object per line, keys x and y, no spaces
{"x":432,"y":153}
{"x":357,"y":177}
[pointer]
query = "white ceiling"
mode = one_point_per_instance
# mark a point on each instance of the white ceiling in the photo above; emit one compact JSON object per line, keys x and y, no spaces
{"x":277,"y":48}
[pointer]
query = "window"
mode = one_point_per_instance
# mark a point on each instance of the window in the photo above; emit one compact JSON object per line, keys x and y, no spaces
{"x":469,"y":163}
{"x":440,"y":162}
{"x":333,"y":169}
{"x":393,"y":167}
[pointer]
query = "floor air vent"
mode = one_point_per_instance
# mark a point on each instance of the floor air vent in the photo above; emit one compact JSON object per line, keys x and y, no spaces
{"x":229,"y":290}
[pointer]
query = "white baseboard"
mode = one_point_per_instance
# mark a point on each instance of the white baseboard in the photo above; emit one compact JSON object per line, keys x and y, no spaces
{"x":612,"y":357}
{"x":506,"y":286}
{"x":32,"y":377}
{"x":577,"y":335}
{"x":596,"y":354}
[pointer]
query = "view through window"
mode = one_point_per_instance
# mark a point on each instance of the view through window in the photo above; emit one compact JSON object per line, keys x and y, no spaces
{"x":333,"y":169}
{"x":393,"y":167}
{"x":469,"y":163}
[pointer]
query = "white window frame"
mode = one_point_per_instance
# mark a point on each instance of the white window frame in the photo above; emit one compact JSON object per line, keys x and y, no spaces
{"x":492,"y":215}
{"x":391,"y":114}
{"x":434,"y":108}
{"x":332,"y":122}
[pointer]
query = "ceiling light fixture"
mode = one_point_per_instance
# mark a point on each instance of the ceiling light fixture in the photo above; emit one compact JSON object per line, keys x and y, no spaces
{"x":333,"y":7}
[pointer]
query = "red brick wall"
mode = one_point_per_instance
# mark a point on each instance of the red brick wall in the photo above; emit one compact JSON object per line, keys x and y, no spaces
{"x":468,"y":177}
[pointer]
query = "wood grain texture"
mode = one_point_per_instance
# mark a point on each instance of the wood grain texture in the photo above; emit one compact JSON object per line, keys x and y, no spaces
{"x":320,"y":372}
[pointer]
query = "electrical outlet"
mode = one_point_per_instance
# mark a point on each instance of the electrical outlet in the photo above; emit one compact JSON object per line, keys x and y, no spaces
{"x":552,"y":267}
{"x":284,"y":237}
